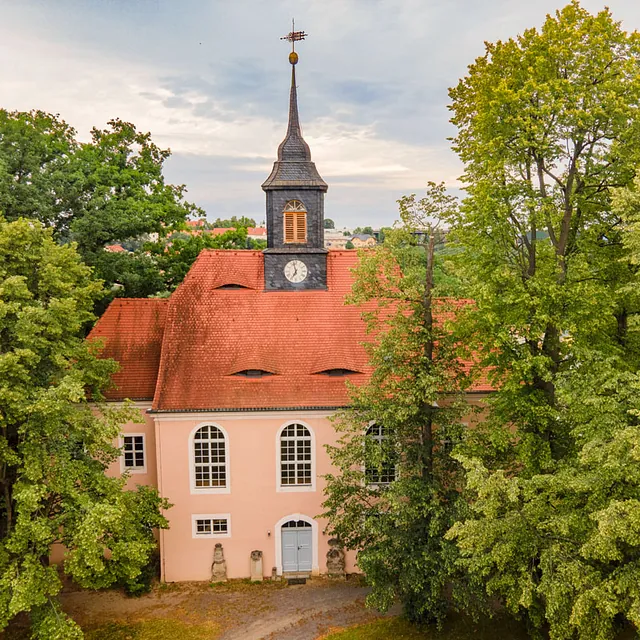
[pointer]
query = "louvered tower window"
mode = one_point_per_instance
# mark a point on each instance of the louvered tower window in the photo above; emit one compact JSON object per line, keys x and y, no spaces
{"x":295,"y":222}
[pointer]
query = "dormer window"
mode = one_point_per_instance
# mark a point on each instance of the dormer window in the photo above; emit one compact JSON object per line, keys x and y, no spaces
{"x":253,"y":373}
{"x":295,"y":222}
{"x":232,"y":286}
{"x":337,"y":373}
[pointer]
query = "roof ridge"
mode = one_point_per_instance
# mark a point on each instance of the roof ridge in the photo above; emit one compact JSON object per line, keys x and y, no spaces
{"x":148,"y":299}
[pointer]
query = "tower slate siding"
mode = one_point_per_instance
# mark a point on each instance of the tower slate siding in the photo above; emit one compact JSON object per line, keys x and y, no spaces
{"x":294,"y":177}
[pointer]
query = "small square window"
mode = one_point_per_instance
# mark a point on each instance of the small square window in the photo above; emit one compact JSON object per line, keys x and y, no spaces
{"x":211,"y":526}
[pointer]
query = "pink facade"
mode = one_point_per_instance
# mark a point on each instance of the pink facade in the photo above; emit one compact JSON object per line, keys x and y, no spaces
{"x":148,"y":473}
{"x":253,"y":500}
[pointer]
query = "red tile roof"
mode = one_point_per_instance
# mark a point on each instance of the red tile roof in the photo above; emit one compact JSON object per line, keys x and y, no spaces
{"x":213,"y":333}
{"x":132,"y":329}
{"x":195,"y":341}
{"x":114,"y":248}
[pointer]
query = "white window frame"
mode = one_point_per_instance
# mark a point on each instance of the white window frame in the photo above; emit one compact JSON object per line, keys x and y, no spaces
{"x":192,"y":461}
{"x":123,"y":467}
{"x":210,"y":516}
{"x":379,"y":438}
{"x":292,"y":488}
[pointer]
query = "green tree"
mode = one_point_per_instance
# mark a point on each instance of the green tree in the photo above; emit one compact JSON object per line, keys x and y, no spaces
{"x":233,"y":222}
{"x":35,"y":179}
{"x":397,"y":489}
{"x":54,"y":448}
{"x":349,"y":245}
{"x":547,"y":125}
{"x":382,"y":233}
{"x":358,"y":230}
{"x":174,"y":257}
{"x":124,"y":196}
{"x":329,"y":223}
{"x":627,"y":204}
{"x":107,"y":191}
{"x":563,"y":547}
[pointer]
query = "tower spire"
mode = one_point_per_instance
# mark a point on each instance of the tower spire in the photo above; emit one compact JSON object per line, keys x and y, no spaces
{"x":294,"y":149}
{"x":295,"y":258}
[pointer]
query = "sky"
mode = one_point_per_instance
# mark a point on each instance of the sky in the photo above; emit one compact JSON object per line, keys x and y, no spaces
{"x":210,"y":80}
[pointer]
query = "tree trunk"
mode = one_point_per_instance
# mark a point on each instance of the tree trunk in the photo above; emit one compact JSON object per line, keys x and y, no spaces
{"x":427,"y":409}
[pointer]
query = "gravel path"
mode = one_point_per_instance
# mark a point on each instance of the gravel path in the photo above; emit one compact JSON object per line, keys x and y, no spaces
{"x":267,"y":611}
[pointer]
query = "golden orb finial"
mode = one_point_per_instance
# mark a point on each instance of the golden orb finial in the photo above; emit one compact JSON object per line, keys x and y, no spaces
{"x":294,"y":36}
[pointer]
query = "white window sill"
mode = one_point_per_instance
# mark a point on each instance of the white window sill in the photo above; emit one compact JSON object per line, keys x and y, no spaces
{"x":292,"y":488}
{"x":208,"y":490}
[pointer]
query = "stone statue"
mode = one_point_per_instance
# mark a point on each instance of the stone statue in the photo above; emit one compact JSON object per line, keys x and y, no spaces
{"x":219,"y":565}
{"x":335,"y":559}
{"x":256,"y":566}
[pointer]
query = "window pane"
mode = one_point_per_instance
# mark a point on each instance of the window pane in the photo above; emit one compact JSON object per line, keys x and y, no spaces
{"x":133,"y":448}
{"x":220,"y":526}
{"x":203,"y":527}
{"x":384,"y":471}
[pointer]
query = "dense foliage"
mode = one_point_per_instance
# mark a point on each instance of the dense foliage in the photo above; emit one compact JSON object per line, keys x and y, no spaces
{"x":397,"y":489}
{"x":108,"y":191}
{"x":547,"y":125}
{"x":232,"y":222}
{"x":175,"y":257}
{"x":54,"y":448}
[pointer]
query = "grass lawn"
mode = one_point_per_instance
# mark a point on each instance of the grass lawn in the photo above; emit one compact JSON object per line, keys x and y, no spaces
{"x":458,"y":629}
{"x":165,"y":629}
{"x":155,"y":629}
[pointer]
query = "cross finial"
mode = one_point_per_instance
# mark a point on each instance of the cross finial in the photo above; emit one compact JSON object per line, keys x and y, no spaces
{"x":294,"y":36}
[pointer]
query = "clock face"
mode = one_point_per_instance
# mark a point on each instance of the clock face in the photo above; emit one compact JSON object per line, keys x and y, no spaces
{"x":295,"y":271}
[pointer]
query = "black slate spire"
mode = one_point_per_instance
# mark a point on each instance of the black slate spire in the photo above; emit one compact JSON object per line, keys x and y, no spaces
{"x":295,"y":258}
{"x":294,"y":168}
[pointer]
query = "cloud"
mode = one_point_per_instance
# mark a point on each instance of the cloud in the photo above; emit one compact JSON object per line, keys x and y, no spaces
{"x":210,"y":80}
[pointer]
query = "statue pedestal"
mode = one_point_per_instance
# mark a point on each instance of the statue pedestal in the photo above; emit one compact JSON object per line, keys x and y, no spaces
{"x":335,"y":560}
{"x":219,"y":565}
{"x":256,"y":566}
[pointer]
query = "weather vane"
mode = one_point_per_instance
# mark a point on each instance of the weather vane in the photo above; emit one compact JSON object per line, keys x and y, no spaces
{"x":294,"y":36}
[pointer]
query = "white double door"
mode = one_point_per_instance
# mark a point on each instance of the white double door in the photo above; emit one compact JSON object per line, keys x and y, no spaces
{"x":297,"y":550}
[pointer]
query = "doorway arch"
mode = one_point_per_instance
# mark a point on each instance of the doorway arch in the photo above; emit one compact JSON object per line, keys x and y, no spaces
{"x":302,"y":523}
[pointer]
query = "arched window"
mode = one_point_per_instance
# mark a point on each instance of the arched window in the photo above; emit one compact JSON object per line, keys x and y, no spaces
{"x":295,"y":222}
{"x":296,"y":457}
{"x":380,"y":460}
{"x":210,"y":459}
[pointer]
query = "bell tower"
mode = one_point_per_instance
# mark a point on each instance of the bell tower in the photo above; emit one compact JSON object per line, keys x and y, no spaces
{"x":295,"y":257}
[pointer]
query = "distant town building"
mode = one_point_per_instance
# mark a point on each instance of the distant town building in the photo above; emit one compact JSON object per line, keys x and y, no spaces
{"x":362,"y":240}
{"x":335,"y":239}
{"x":114,"y":248}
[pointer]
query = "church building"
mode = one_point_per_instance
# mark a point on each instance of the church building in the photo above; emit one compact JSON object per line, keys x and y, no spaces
{"x":236,"y":376}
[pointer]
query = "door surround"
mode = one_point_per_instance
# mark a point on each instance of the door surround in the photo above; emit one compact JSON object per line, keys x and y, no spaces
{"x":314,"y":540}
